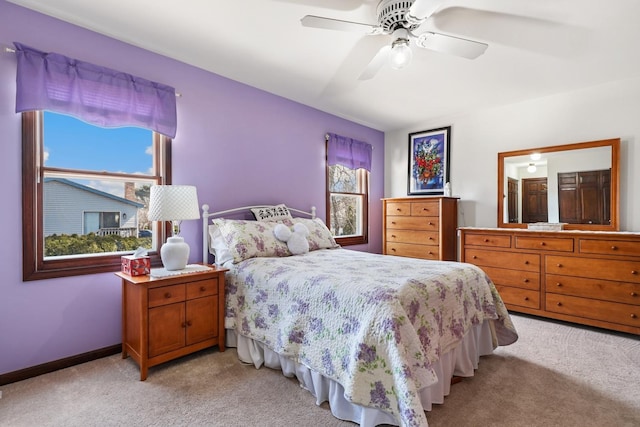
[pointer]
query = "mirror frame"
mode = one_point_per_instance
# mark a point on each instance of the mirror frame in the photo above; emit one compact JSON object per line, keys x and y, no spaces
{"x":615,"y":182}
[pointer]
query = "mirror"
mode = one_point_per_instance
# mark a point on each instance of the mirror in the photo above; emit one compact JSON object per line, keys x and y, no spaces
{"x":574,"y":184}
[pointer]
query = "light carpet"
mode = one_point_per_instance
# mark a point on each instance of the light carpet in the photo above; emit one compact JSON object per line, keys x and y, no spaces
{"x":556,"y":374}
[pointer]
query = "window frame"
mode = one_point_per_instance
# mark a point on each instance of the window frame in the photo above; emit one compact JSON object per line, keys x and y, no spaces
{"x":35,"y":267}
{"x":363,"y":183}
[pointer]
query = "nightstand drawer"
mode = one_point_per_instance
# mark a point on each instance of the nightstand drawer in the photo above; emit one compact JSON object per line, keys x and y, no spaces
{"x":166,"y":295}
{"x":202,"y":288}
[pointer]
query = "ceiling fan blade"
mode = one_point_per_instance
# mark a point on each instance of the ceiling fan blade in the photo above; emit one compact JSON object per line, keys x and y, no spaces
{"x":422,"y":9}
{"x":452,"y":45}
{"x":376,"y":63}
{"x":337,"y":24}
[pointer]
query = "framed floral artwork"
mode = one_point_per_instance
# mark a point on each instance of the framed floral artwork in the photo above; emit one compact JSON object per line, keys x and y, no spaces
{"x":429,"y":161}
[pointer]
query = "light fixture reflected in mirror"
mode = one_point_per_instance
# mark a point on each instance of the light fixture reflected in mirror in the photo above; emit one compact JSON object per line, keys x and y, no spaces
{"x":531,"y":168}
{"x":535,"y":156}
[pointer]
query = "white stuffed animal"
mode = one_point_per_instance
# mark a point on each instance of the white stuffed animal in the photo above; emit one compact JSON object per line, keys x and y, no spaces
{"x":296,"y":240}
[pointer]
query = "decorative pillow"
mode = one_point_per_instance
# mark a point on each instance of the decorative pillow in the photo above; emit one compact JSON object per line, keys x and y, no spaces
{"x":319,"y":237}
{"x":250,"y":239}
{"x":218,"y":246}
{"x":271,"y":213}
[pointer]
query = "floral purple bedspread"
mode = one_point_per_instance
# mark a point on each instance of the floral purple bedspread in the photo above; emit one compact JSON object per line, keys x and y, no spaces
{"x":376,"y":324}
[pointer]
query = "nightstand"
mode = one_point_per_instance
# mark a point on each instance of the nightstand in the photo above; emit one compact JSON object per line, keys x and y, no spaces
{"x":164,"y":318}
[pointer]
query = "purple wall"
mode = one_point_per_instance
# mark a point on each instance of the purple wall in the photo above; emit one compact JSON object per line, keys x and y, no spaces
{"x":237,"y":144}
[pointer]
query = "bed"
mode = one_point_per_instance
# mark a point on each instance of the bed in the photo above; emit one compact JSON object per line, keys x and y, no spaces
{"x":378,"y":337}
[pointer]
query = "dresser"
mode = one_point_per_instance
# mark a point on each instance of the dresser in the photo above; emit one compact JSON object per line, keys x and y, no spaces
{"x":420,"y":227}
{"x":164,"y":318}
{"x":591,"y":278}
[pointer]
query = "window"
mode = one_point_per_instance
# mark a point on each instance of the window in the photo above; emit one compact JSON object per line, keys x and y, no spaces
{"x":86,"y":193}
{"x":347,"y":203}
{"x":348,"y":167}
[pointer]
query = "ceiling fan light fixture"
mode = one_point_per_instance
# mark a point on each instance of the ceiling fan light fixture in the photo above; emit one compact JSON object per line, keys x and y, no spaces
{"x":400,"y":55}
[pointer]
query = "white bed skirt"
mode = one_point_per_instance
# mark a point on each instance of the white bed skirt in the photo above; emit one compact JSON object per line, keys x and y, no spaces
{"x":461,"y":361}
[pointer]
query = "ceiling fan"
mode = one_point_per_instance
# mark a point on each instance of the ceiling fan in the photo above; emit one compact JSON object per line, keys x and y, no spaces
{"x":402,"y":20}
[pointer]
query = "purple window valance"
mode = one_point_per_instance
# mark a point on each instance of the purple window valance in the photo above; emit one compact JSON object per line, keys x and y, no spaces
{"x":95,"y":94}
{"x":348,"y":152}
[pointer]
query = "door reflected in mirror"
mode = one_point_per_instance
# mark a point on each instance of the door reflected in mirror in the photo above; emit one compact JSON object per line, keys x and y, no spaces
{"x":575,"y":184}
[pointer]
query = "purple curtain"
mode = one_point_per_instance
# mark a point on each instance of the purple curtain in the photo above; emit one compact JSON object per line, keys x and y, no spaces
{"x":97,"y":95}
{"x":348,"y":152}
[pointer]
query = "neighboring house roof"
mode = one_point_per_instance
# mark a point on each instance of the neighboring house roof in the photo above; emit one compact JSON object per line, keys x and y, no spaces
{"x":94,"y":191}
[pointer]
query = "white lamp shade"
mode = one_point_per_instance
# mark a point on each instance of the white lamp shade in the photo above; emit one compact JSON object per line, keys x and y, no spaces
{"x":173,"y":203}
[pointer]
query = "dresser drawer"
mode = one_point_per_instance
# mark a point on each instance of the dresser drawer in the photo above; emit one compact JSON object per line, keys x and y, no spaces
{"x":510,"y":260}
{"x":431,"y":208}
{"x":623,"y":271}
{"x":609,"y":247}
{"x":519,"y":297}
{"x":545,"y":243}
{"x":399,"y":208}
{"x":413,"y":251}
{"x":487,"y":240}
{"x":202,"y":288}
{"x":166,"y":295}
{"x":628,"y":293}
{"x":413,"y":223}
{"x":409,"y":236}
{"x":516,"y":278}
{"x":623,"y":314}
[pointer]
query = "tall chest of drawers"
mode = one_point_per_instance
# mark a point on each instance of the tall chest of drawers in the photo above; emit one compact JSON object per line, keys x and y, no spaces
{"x":420,"y":227}
{"x":592,"y":278}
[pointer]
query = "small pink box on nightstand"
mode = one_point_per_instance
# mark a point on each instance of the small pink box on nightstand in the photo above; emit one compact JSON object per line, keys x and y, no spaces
{"x":133,"y":266}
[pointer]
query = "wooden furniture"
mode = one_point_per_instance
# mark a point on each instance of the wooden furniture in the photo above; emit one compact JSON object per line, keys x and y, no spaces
{"x":578,"y":276}
{"x":169,"y":317}
{"x":420,"y":227}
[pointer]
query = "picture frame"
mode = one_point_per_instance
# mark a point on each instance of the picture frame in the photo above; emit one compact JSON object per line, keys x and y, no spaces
{"x":428,"y":170}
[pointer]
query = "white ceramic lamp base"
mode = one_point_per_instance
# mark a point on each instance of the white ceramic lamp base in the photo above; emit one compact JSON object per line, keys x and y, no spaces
{"x":174,"y":253}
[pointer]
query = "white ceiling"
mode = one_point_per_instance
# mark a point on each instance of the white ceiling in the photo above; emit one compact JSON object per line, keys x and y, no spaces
{"x":536,"y":48}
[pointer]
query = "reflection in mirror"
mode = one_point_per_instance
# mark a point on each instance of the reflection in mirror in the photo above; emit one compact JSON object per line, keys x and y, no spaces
{"x":574,"y":184}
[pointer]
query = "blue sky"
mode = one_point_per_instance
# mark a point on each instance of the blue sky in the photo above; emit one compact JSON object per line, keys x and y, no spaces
{"x":72,"y":143}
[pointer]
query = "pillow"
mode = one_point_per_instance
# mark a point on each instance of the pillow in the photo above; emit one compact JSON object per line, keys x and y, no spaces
{"x":250,"y":239}
{"x":271,"y":213}
{"x":319,"y":237}
{"x":218,"y":246}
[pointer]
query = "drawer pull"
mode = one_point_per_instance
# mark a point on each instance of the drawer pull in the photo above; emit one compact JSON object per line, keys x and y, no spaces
{"x":526,"y":298}
{"x":393,"y":236}
{"x":189,"y":323}
{"x":558,"y":265}
{"x":184,"y":325}
{"x":425,"y":209}
{"x":430,"y":223}
{"x":393,"y":222}
{"x":634,"y":272}
{"x":203,"y":288}
{"x":633,"y":294}
{"x":559,"y":285}
{"x":542,"y":243}
{"x":614,"y":248}
{"x":633,"y":315}
{"x":398,"y":209}
{"x":167,"y":295}
{"x":486,"y":240}
{"x":393,"y":249}
{"x":559,"y":304}
{"x":526,"y":263}
{"x":526,"y":280}
{"x":475,"y":257}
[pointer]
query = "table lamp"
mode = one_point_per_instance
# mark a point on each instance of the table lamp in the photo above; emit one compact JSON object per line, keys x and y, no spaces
{"x":174,"y":203}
